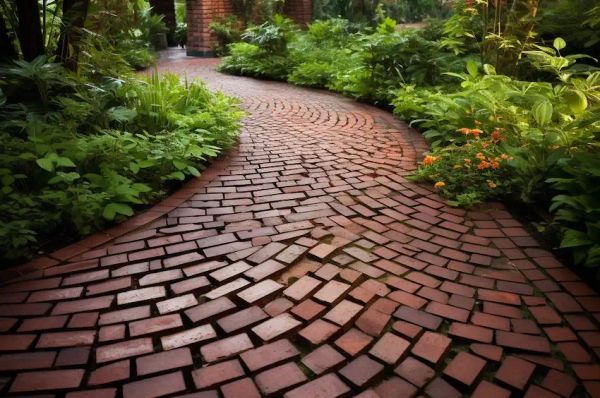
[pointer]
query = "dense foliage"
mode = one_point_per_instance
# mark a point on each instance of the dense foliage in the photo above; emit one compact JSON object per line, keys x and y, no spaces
{"x":361,"y":62}
{"x":510,"y":113}
{"x":368,"y":11}
{"x":246,"y":14}
{"x":83,"y":145}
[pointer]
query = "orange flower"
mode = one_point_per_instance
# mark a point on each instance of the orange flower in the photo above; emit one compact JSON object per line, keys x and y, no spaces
{"x":491,"y":184}
{"x":504,"y":156}
{"x":467,"y":161}
{"x":495,"y":165}
{"x":476,"y":132}
{"x":485,"y":145}
{"x":480,"y":156}
{"x":429,"y":160}
{"x":483,"y":165}
{"x":465,"y":131}
{"x":439,"y":184}
{"x":496,"y":136}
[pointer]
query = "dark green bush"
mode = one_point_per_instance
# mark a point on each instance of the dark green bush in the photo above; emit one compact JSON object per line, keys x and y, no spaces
{"x":227,"y":31}
{"x":340,"y":56}
{"x":264,"y":52}
{"x":76,"y":153}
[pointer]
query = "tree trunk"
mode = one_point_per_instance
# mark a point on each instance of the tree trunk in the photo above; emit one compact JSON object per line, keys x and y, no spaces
{"x":74,"y":13}
{"x":7,"y":50}
{"x":30,"y":29}
{"x":166,"y":8}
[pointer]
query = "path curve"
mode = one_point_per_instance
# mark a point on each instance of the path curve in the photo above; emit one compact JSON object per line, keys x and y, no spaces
{"x":303,"y":264}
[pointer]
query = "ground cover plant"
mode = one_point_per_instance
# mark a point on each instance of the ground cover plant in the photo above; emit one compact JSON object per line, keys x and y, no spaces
{"x":84,"y":141}
{"x":511,"y":109}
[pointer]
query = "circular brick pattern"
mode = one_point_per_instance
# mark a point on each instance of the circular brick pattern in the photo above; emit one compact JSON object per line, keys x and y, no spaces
{"x":302,"y":264}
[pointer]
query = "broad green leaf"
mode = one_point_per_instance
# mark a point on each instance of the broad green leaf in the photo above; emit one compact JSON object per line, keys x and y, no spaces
{"x":8,"y":179}
{"x":146,"y":163}
{"x":489,"y":69}
{"x":193,"y":171}
{"x":593,"y":256}
{"x":574,"y":238}
{"x":576,"y":101}
{"x":64,"y":162}
{"x":179,"y":165}
{"x":177,"y":175}
{"x":112,"y":209}
{"x":122,"y":114}
{"x":473,"y":68}
{"x":134,"y":167}
{"x":542,"y":112}
{"x":45,"y":164}
{"x":559,"y":43}
{"x":141,"y":187}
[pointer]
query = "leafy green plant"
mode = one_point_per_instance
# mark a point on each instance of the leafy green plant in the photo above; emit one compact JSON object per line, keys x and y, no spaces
{"x":251,"y":60}
{"x":471,"y":169}
{"x":542,"y":122}
{"x":227,"y":30}
{"x":117,"y":31}
{"x":388,"y":59}
{"x":181,"y":33}
{"x":97,"y":149}
{"x":577,"y":207}
{"x":271,"y":36}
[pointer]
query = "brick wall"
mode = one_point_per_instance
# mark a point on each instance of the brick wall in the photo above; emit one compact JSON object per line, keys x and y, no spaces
{"x":201,"y":12}
{"x":299,"y":10}
{"x":199,"y":15}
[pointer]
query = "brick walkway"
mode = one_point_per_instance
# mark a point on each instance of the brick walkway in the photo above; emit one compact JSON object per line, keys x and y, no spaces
{"x":304,"y":265}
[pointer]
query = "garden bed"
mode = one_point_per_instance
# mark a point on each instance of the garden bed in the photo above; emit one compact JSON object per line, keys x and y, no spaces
{"x":519,"y":124}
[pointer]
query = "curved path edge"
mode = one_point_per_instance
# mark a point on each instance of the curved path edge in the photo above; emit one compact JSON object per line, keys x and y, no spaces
{"x":98,"y":240}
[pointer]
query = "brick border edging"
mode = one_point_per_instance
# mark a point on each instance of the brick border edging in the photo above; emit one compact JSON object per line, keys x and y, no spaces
{"x":101,"y":238}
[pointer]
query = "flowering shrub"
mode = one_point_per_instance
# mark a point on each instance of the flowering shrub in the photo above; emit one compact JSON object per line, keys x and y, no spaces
{"x":470,"y":170}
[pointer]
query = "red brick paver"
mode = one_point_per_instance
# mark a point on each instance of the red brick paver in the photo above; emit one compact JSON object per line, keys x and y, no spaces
{"x":303,"y":264}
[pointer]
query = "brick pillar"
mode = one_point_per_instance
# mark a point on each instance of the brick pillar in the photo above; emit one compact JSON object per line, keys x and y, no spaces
{"x":201,"y":12}
{"x":299,"y":10}
{"x":166,"y":8}
{"x":199,"y":15}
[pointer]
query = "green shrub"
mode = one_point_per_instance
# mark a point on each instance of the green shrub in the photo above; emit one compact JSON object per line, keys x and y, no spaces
{"x":271,"y":36}
{"x":250,"y":60}
{"x":387,"y":59}
{"x":322,"y":52}
{"x":227,"y":31}
{"x":117,"y":31}
{"x":76,"y":154}
{"x":264,"y":52}
{"x":181,"y":33}
{"x":473,"y":168}
{"x":577,"y":207}
{"x":550,"y":134}
{"x":312,"y":74}
{"x":338,"y":55}
{"x":541,"y":122}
